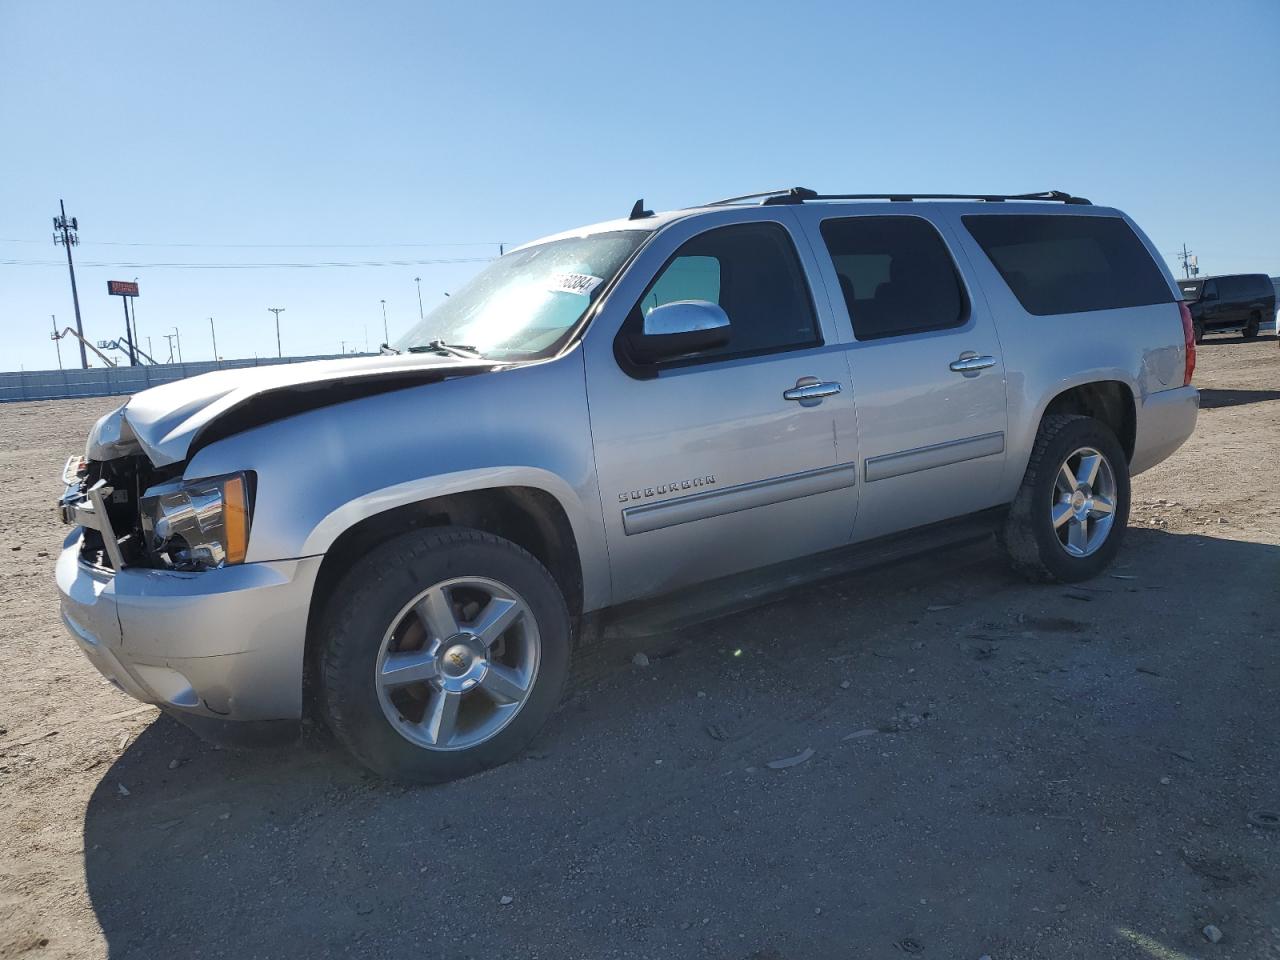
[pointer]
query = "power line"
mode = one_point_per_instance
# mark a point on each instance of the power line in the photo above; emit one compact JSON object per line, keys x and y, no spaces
{"x":159,"y":265}
{"x":276,"y":246}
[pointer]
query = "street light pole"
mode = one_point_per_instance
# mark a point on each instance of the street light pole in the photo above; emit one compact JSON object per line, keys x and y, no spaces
{"x":418,"y":281}
{"x":386,"y":337}
{"x":214,"y":333}
{"x":277,"y":311}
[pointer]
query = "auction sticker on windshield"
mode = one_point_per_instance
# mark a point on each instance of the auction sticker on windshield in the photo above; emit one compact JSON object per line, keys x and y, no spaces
{"x":579,"y":283}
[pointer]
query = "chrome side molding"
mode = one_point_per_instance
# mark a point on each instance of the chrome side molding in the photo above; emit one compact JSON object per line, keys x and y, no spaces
{"x":935,"y":455}
{"x":745,"y":496}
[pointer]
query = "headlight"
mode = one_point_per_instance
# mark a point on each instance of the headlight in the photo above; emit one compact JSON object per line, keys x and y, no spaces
{"x":198,"y":524}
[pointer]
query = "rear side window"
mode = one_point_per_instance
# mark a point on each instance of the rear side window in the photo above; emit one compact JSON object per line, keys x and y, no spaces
{"x":1244,"y":287}
{"x":896,"y":275}
{"x":1065,"y":264}
{"x":752,"y":271}
{"x":1232,"y":288}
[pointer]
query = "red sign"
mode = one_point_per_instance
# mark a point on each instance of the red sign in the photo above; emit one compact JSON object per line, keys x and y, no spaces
{"x":122,"y":288}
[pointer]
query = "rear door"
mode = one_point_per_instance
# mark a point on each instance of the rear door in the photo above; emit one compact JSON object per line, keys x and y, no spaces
{"x":925,"y":364}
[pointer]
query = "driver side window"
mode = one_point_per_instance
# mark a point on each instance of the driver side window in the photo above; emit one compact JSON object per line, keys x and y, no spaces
{"x":685,"y":278}
{"x":752,"y":272}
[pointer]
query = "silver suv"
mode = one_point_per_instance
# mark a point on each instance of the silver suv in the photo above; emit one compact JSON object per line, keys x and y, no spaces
{"x":621,"y":427}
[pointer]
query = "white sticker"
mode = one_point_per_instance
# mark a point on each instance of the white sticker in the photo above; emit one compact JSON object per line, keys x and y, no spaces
{"x":579,"y":283}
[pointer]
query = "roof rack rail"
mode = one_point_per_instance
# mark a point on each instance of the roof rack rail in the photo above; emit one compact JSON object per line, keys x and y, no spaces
{"x":801,"y":194}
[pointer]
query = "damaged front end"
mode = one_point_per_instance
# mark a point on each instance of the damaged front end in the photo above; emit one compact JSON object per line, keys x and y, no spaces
{"x":135,"y":514}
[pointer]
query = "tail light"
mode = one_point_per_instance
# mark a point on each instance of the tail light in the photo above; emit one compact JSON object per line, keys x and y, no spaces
{"x":1188,"y":334}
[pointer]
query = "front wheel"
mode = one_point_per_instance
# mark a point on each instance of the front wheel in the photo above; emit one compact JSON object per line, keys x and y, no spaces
{"x":1069,"y":516}
{"x":443,"y":652}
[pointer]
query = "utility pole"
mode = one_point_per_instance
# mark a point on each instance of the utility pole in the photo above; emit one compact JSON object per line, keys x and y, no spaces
{"x":149,"y":350}
{"x":277,"y":311}
{"x":213,"y":333}
{"x":343,"y":350}
{"x":1189,"y":262}
{"x":65,"y":233}
{"x":178,"y":337}
{"x":56,"y":338}
{"x":386,"y":337}
{"x":418,"y":281}
{"x":169,"y":337}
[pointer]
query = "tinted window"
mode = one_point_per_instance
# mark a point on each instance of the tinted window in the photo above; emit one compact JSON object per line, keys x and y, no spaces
{"x":1248,"y":286}
{"x":1070,"y":264}
{"x":751,"y":270}
{"x":896,"y":275}
{"x":1233,"y":288}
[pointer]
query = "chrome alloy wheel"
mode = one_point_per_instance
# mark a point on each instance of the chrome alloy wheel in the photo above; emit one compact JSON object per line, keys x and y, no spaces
{"x":1084,"y":502}
{"x":457,"y":663}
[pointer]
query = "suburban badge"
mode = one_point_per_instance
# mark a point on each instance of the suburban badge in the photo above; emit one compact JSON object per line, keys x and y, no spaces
{"x":664,"y":488}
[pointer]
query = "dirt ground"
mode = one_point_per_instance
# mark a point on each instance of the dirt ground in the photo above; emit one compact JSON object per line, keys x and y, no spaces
{"x":998,"y":768}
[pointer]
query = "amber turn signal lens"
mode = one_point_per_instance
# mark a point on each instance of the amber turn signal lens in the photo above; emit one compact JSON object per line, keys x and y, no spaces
{"x":235,"y":519}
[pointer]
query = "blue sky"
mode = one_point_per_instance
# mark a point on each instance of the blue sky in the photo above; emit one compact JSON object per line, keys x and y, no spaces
{"x":311,"y":126}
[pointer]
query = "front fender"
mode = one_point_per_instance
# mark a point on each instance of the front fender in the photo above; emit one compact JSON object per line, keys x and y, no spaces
{"x":322,"y":471}
{"x":588,"y":535}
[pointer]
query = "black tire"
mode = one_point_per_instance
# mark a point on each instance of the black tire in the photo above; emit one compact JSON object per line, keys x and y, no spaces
{"x":364,"y":605}
{"x":1252,"y":327}
{"x":1029,"y":535}
{"x":1198,"y":330}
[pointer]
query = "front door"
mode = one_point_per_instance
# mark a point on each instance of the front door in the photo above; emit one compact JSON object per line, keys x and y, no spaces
{"x":716,"y":463}
{"x":926,"y":368}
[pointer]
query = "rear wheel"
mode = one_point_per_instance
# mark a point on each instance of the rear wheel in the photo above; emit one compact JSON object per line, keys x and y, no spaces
{"x":1069,"y":517}
{"x":1198,"y":329}
{"x":1253,"y":326}
{"x":444,"y":652}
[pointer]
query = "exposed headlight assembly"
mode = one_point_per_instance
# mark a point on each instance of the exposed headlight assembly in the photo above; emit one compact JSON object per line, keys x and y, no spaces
{"x":198,"y":524}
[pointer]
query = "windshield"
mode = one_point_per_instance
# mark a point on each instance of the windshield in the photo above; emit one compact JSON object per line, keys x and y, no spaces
{"x":523,"y":304}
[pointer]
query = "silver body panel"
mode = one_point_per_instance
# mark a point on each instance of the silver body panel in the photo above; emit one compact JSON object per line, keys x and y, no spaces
{"x":702,"y":471}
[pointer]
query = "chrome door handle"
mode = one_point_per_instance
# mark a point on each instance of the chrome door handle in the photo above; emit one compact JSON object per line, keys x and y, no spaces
{"x":809,"y":391}
{"x":972,"y":363}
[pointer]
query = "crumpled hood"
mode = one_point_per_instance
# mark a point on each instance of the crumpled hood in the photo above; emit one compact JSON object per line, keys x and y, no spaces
{"x":165,"y":422}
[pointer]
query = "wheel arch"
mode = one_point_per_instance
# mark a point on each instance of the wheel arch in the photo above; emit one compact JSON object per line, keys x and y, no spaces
{"x":1110,"y":401}
{"x":529,"y":516}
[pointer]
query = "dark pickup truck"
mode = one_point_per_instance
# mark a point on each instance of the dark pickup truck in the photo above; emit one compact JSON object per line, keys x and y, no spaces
{"x":1237,"y":302}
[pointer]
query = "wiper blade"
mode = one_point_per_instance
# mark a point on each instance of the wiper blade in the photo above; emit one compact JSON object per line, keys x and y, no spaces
{"x":448,"y":349}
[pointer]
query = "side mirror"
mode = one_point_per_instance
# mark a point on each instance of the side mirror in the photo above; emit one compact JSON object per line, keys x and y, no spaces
{"x":679,"y":328}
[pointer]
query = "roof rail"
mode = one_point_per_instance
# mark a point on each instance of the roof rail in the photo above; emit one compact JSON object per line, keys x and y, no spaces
{"x":801,"y":194}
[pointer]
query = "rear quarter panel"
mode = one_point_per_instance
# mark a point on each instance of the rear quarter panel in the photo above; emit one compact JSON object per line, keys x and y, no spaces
{"x":1141,"y":347}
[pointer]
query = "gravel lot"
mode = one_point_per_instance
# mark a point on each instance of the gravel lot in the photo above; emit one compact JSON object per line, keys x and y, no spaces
{"x":997,"y":768}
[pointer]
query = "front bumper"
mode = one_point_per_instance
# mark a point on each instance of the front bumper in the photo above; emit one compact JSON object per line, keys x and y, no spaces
{"x":1165,"y":422}
{"x":225,"y":643}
